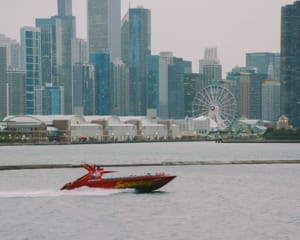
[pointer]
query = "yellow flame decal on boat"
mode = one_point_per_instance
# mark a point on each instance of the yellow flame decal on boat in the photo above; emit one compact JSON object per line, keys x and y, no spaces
{"x":133,"y":184}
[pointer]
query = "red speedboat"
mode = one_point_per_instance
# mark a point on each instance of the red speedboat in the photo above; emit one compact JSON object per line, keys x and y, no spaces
{"x":94,"y":179}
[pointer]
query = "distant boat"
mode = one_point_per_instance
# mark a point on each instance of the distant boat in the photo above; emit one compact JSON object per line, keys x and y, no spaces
{"x":142,"y":183}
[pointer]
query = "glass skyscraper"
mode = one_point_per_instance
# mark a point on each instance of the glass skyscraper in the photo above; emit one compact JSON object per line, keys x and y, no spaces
{"x":139,"y":48}
{"x":46,"y":26}
{"x":57,"y":36}
{"x":192,"y":84}
{"x":31,"y":62}
{"x":101,"y":62}
{"x":51,"y":99}
{"x":12,"y":51}
{"x":270,"y":100}
{"x":261,"y":61}
{"x":104,"y":27}
{"x":119,"y":88}
{"x":176,"y":91}
{"x":3,"y":81}
{"x":290,"y":63}
{"x":64,"y":34}
{"x":84,"y":89}
{"x":153,"y":82}
{"x":16,"y":91}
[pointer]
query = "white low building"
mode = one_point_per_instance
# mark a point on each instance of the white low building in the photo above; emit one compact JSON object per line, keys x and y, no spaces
{"x":203,"y":125}
{"x":86,"y":132}
{"x":148,"y":128}
{"x":192,"y":127}
{"x":74,"y":127}
{"x":113,"y":128}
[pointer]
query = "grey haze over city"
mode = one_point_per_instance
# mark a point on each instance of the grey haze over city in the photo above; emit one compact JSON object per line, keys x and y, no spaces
{"x":185,"y":28}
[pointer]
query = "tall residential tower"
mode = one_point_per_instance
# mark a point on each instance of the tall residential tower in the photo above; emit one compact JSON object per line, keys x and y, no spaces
{"x":290,"y":63}
{"x":31,"y":63}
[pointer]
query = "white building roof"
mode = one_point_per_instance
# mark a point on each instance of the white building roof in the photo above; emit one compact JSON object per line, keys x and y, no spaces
{"x":47,"y":119}
{"x":145,"y":121}
{"x":111,"y":119}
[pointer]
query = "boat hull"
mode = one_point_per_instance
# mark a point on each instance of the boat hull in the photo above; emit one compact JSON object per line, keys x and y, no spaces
{"x":140,"y":183}
{"x":143,"y":183}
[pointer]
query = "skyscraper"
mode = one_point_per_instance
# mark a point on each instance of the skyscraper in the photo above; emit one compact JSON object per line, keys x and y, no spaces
{"x":84,"y":89}
{"x":64,"y":33}
{"x":80,"y":52}
{"x":125,"y":38}
{"x":246,"y":85}
{"x":153,"y":82}
{"x":16,"y":92}
{"x":64,"y":8}
{"x":176,"y":90}
{"x":255,"y":94}
{"x":192,"y":84}
{"x":165,"y":59}
{"x":101,"y":62}
{"x":52,"y":99}
{"x":119,"y":88}
{"x":3,"y":82}
{"x":46,"y":26}
{"x":271,"y":97}
{"x":271,"y":100}
{"x":210,"y":67}
{"x":139,"y":48}
{"x":261,"y":61}
{"x":31,"y":63}
{"x":289,"y":63}
{"x":13,"y":51}
{"x":104,"y":27}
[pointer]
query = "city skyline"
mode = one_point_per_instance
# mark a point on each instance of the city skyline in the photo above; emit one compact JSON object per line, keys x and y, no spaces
{"x":235,"y":28}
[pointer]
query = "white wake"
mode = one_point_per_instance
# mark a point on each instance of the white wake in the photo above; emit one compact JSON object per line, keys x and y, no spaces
{"x":59,"y":193}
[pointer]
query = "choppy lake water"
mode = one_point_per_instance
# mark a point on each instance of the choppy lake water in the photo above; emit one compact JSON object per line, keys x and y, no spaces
{"x":204,"y":202}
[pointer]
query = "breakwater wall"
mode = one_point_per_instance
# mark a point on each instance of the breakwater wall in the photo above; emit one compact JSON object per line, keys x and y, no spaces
{"x":180,"y":163}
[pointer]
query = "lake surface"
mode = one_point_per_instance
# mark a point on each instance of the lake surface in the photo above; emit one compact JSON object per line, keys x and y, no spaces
{"x":204,"y":202}
{"x":147,"y":153}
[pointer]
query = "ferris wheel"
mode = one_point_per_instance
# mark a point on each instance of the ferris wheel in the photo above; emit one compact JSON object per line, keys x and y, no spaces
{"x":217,"y":103}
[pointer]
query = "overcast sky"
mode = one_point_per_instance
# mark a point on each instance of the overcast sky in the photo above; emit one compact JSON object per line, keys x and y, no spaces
{"x":235,"y":27}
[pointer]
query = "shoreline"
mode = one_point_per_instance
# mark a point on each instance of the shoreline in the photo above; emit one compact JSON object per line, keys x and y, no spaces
{"x":193,"y":163}
{"x":159,"y":141}
{"x":256,"y":141}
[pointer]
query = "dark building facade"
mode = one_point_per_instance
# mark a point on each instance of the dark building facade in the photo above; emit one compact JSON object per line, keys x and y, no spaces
{"x":290,"y":63}
{"x":125,"y":38}
{"x":101,"y":62}
{"x":176,"y":90}
{"x":153,"y":82}
{"x":16,"y":91}
{"x":192,"y":84}
{"x":261,"y":62}
{"x":255,"y":95}
{"x":64,"y":33}
{"x":139,"y":48}
{"x":47,"y":43}
{"x":84,"y":89}
{"x":3,"y":81}
{"x":52,"y":99}
{"x":104,"y":27}
{"x":119,"y":88}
